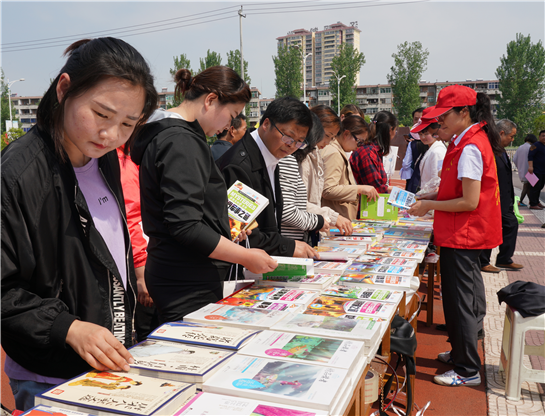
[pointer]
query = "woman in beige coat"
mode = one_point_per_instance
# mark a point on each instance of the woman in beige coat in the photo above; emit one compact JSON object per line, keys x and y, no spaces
{"x":340,"y":188}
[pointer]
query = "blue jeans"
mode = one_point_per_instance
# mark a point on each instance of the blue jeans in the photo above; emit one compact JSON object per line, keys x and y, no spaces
{"x":25,"y":390}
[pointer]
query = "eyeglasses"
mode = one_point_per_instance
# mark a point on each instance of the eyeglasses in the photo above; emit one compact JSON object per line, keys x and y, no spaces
{"x":359,"y":141}
{"x":289,"y":141}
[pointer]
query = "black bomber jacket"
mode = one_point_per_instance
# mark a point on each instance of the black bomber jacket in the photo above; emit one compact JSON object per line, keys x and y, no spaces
{"x":56,"y":267}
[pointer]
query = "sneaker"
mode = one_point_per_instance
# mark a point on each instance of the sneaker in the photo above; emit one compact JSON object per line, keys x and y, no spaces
{"x":444,"y":357}
{"x":522,"y":204}
{"x":451,"y":378}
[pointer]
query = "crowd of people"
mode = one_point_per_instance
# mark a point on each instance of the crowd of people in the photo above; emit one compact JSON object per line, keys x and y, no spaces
{"x":114,"y":212}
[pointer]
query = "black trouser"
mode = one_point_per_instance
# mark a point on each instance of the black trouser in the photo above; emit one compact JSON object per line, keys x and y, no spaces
{"x":510,"y":227}
{"x":525,"y":191}
{"x":464,"y":305}
{"x":534,"y":192}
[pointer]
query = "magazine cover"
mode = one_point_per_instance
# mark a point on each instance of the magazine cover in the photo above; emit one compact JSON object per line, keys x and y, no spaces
{"x":401,"y":198}
{"x":269,"y":293}
{"x":352,"y":292}
{"x":243,"y":206}
{"x":43,"y":410}
{"x":351,"y":252}
{"x":331,"y":267}
{"x":262,"y":304}
{"x":305,"y":349}
{"x":177,"y":361}
{"x":338,"y":307}
{"x":211,"y":335}
{"x":118,"y":393}
{"x":316,"y":282}
{"x":219,"y":404}
{"x":405,"y":244}
{"x":236,"y":316}
{"x":355,"y":279}
{"x":408,"y":234}
{"x":390,"y":261}
{"x":370,"y":268}
{"x":281,"y":382}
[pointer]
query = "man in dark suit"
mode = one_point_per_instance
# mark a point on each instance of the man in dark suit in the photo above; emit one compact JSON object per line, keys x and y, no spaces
{"x":254,"y":161}
{"x":509,"y":222}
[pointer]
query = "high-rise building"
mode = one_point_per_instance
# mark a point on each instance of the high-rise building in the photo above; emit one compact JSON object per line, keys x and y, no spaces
{"x":324,"y":46}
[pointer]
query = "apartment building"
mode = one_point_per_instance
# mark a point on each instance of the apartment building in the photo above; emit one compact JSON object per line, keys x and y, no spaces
{"x":324,"y":46}
{"x":25,"y":108}
{"x":379,"y":97}
{"x":165,"y":98}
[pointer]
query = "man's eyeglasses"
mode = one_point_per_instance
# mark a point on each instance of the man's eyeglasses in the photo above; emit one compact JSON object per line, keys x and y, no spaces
{"x":289,"y":141}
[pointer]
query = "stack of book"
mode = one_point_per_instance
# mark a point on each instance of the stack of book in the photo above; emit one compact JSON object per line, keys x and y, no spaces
{"x":317,"y":282}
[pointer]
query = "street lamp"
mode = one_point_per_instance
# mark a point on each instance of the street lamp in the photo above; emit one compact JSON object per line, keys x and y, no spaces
{"x":305,"y":77}
{"x":9,"y":98}
{"x":338,"y":91}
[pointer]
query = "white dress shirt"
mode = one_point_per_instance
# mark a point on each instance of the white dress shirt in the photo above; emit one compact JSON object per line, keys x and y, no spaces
{"x":270,"y":160}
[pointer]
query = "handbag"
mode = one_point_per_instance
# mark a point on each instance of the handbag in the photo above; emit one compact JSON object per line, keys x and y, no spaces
{"x":520,"y":218}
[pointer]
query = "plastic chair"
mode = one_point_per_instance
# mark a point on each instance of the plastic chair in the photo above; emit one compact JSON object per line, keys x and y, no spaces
{"x":514,"y":348}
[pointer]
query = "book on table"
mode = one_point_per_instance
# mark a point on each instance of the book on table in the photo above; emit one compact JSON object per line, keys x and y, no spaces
{"x":351,"y":252}
{"x":338,"y":241}
{"x":317,"y":282}
{"x":263,"y":304}
{"x":211,"y":334}
{"x":388,"y":281}
{"x":338,"y":307}
{"x":218,"y":404}
{"x":408,"y":234}
{"x":389,"y":261}
{"x":43,"y":410}
{"x":406,"y":244}
{"x":330,"y":267}
{"x":277,"y":294}
{"x":401,"y":198}
{"x":306,"y":349}
{"x":358,"y":328}
{"x":370,"y":268}
{"x":237,"y":316}
{"x":176,"y":361}
{"x":243,"y":207}
{"x":393,"y":251}
{"x":281,"y":382}
{"x":364,"y":293}
{"x":113,"y":393}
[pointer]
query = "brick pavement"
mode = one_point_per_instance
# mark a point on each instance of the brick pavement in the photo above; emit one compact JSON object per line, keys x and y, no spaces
{"x":530,"y":251}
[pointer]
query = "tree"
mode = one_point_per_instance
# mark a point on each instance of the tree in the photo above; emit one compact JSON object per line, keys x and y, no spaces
{"x":348,"y":62}
{"x":287,"y":69}
{"x":180,"y":62}
{"x":539,"y":124}
{"x":4,"y":104}
{"x":521,"y":75}
{"x":233,"y":62}
{"x":212,"y":59}
{"x":11,"y":135}
{"x":410,"y":62}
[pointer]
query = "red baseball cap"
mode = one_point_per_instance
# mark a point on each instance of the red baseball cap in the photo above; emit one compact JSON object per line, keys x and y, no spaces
{"x":424,"y":122}
{"x":452,"y":96}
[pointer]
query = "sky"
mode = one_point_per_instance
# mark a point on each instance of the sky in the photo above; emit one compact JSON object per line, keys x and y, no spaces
{"x":465,"y":39}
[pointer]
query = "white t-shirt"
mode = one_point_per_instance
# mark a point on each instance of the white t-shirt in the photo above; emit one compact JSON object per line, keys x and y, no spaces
{"x":470,"y":164}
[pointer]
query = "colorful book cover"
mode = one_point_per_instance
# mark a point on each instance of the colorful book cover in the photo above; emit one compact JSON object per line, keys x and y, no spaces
{"x":43,"y":410}
{"x":280,"y":381}
{"x":356,"y":327}
{"x":262,"y":304}
{"x":351,"y":252}
{"x":118,"y":393}
{"x":331,"y":267}
{"x":378,"y":209}
{"x":400,"y":198}
{"x":236,"y":316}
{"x":352,"y":292}
{"x":219,"y":404}
{"x":339,"y":307}
{"x":390,"y":248}
{"x":243,"y":206}
{"x":176,"y":361}
{"x":370,"y":268}
{"x":304,"y":348}
{"x":406,"y":244}
{"x":390,"y":261}
{"x":268,"y":293}
{"x":291,"y":266}
{"x":376,"y":279}
{"x":316,"y":282}
{"x":211,"y":334}
{"x":408,"y":234}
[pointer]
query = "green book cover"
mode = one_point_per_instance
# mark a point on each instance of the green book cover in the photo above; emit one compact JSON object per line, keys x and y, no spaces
{"x":379,"y":209}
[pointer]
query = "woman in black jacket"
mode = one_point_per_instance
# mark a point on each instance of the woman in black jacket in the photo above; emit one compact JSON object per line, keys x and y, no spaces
{"x":184,"y":196}
{"x":68,"y":287}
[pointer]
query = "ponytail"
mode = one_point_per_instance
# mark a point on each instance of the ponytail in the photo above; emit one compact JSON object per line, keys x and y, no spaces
{"x":379,"y":130}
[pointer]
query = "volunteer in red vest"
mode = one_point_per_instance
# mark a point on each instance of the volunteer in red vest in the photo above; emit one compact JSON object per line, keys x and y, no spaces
{"x":467,"y":220}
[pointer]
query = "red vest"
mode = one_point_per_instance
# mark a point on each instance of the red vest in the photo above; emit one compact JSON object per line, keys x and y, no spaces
{"x":478,"y":229}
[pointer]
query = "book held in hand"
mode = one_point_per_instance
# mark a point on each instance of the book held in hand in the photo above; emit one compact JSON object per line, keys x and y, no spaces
{"x":243,"y":206}
{"x":177,"y":361}
{"x":400,"y":198}
{"x":211,"y":334}
{"x":113,"y":393}
{"x":378,"y":209}
{"x":316,"y":282}
{"x":281,"y":382}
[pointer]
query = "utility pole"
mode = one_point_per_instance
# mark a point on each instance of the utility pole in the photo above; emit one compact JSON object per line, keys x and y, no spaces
{"x":338,"y":92}
{"x":240,"y":16}
{"x":305,"y":78}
